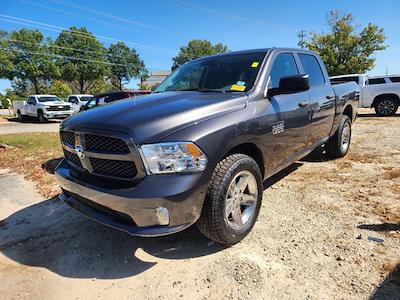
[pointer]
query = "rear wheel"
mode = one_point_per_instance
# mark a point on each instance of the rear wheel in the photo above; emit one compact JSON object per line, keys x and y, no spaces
{"x":339,"y":144}
{"x":386,"y":107}
{"x":41,"y":117}
{"x":20,"y":116}
{"x":233,"y":200}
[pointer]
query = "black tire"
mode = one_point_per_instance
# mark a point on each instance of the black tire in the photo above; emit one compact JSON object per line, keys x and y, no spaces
{"x":386,"y":106}
{"x":334,"y":148}
{"x":212,"y":222}
{"x":20,"y":116}
{"x":41,"y":117}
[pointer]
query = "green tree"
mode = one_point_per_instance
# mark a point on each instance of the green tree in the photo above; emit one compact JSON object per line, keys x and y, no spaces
{"x":60,"y":88}
{"x":125,"y":64}
{"x":100,"y":86}
{"x":196,"y":49}
{"x":29,"y":60}
{"x":84,"y":58}
{"x":6,"y":65}
{"x":346,"y":49}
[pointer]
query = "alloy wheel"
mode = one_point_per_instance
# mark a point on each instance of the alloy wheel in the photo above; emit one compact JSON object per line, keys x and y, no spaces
{"x":241,"y":200}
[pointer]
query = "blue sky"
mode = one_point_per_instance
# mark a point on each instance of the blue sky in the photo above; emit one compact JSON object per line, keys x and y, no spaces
{"x":157,"y":28}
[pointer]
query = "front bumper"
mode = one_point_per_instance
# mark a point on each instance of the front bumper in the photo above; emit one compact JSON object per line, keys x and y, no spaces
{"x":58,"y":114}
{"x":135,"y":209}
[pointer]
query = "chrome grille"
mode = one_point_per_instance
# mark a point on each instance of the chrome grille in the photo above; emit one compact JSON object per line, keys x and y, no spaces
{"x":105,"y":143}
{"x":58,"y":108}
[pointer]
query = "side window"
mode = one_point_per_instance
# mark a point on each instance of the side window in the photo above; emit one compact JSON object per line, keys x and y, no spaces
{"x":284,"y":65}
{"x":111,"y":98}
{"x":379,"y":80}
{"x":346,"y":79}
{"x":395,"y":79}
{"x":73,"y":100}
{"x":311,"y":67}
{"x":31,"y":100}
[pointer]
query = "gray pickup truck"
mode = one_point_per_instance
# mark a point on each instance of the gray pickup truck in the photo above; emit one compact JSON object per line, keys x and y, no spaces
{"x":198,"y":150}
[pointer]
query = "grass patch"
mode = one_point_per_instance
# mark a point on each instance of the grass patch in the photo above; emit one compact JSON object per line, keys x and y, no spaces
{"x":30,"y":152}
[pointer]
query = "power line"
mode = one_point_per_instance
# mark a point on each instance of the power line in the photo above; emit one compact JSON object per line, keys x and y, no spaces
{"x":77,"y":33}
{"x":83,"y":17}
{"x":240,"y":20}
{"x":66,"y":3}
{"x":71,"y":58}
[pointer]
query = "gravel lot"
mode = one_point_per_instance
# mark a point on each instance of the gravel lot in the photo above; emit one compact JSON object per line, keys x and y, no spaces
{"x":311,"y":240}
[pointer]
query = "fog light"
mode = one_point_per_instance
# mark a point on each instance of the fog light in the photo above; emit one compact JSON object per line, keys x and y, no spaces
{"x":162,"y":214}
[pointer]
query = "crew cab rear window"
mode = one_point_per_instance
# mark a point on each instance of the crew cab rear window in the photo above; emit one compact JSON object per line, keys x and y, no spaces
{"x":395,"y":79}
{"x":284,"y":65}
{"x":376,"y":81}
{"x":312,"y":68}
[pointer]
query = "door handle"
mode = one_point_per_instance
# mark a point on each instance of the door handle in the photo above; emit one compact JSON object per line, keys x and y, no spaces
{"x":304,"y":103}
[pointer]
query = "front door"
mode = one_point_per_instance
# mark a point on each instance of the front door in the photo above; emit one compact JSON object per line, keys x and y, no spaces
{"x":290,"y":119}
{"x":31,"y":107}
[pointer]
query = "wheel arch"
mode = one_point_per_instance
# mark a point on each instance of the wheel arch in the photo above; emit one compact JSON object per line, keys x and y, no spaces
{"x":251,"y":150}
{"x":348,"y":111}
{"x":389,"y":95}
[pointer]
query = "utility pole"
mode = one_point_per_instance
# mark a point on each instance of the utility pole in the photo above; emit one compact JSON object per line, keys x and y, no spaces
{"x":387,"y":70}
{"x":302,"y":35}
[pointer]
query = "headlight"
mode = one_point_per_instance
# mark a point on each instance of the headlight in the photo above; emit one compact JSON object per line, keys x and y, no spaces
{"x":173,"y":157}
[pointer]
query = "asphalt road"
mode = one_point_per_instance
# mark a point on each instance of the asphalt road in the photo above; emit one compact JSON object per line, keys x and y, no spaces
{"x":10,"y":127}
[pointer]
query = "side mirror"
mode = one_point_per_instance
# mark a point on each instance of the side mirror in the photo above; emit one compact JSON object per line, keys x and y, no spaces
{"x":291,"y":84}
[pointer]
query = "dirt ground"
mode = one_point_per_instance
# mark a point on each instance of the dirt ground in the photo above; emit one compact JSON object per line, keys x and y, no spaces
{"x":327,"y":229}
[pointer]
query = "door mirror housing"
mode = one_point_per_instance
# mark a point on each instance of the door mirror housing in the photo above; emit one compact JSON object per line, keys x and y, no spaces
{"x":291,"y":84}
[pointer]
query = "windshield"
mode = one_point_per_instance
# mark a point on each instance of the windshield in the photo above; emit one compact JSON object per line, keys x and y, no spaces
{"x":86,"y":98}
{"x":92,"y":102}
{"x":225,"y":73}
{"x":48,"y":99}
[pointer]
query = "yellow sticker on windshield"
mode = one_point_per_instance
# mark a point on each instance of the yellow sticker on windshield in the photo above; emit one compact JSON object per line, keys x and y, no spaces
{"x":239,"y":88}
{"x":255,"y":64}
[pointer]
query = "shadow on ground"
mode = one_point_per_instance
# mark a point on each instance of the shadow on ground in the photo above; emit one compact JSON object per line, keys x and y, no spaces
{"x":51,"y":164}
{"x":390,"y":287}
{"x":373,"y":115}
{"x":53,"y":236}
{"x":380,"y":227}
{"x":32,"y":120}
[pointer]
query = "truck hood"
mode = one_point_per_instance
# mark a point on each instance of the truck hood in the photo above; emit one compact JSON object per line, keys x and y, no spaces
{"x":150,"y":118}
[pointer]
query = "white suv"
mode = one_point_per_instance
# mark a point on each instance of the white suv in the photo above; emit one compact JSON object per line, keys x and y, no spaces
{"x":77,"y":101}
{"x":379,"y":92}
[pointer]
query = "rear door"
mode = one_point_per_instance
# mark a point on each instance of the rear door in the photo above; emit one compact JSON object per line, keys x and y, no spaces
{"x":322,"y":98}
{"x":291,"y":123}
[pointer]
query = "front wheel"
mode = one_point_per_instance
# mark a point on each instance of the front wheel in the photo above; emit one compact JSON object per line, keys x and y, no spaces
{"x":233,"y":200}
{"x":41,"y":117}
{"x":339,"y":144}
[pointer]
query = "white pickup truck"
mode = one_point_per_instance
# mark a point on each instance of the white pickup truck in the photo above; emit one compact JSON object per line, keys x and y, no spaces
{"x":379,"y":92}
{"x":77,"y":101}
{"x":43,"y":107}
